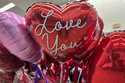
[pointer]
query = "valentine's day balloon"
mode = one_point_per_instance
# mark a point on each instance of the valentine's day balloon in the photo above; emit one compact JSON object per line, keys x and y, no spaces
{"x":65,"y":31}
{"x":7,"y":61}
{"x":111,"y":64}
{"x":9,"y":64}
{"x":15,"y":37}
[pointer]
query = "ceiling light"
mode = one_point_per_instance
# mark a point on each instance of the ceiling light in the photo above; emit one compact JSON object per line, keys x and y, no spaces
{"x":7,"y":7}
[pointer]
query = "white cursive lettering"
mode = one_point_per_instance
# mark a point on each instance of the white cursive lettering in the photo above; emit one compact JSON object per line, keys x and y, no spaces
{"x":58,"y":26}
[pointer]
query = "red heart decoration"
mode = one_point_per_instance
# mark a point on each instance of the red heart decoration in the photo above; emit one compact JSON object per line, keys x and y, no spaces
{"x":61,"y":30}
{"x":111,"y":61}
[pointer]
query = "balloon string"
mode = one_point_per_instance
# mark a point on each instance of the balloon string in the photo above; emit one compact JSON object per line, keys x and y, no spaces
{"x":79,"y":76}
{"x":61,"y":73}
{"x":83,"y":77}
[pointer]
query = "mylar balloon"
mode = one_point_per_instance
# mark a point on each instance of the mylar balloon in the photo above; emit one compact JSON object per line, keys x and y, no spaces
{"x":8,"y":65}
{"x":15,"y":37}
{"x":64,"y":31}
{"x":111,"y":65}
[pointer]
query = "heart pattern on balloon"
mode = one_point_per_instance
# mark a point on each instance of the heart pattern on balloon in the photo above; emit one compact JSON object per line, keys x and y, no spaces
{"x":59,"y":30}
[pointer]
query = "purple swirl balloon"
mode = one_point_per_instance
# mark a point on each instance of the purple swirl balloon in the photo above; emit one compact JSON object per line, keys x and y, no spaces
{"x":15,"y":37}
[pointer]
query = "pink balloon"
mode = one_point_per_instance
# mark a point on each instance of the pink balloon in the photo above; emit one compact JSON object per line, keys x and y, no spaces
{"x":15,"y":37}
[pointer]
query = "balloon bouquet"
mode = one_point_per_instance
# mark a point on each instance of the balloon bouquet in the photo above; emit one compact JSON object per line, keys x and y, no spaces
{"x":59,"y":44}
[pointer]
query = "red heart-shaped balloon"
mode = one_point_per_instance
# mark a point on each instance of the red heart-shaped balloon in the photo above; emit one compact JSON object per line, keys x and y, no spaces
{"x":61,"y":30}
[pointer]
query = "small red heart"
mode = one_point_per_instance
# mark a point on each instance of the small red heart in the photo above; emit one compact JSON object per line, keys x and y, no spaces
{"x":61,"y":30}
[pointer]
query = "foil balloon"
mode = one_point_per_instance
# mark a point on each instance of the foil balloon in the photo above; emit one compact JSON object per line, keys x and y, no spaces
{"x":8,"y":65}
{"x":15,"y":37}
{"x":110,"y":67}
{"x":64,"y":31}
